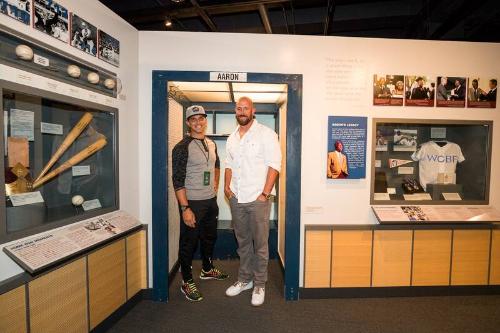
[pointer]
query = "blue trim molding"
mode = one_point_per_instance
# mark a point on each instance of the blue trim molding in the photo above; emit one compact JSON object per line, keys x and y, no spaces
{"x":160,"y":173}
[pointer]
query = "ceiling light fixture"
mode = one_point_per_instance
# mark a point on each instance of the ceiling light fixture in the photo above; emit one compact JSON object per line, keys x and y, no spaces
{"x":177,"y":1}
{"x":168,"y":22}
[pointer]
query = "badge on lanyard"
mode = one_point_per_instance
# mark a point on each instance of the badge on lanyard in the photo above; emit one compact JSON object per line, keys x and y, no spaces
{"x":206,"y":178}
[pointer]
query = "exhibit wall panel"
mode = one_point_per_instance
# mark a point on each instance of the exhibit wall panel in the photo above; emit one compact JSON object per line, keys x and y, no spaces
{"x":495,"y":258}
{"x":103,"y":18}
{"x":58,"y":300}
{"x":13,"y":311}
{"x":107,"y":281}
{"x":351,"y":258}
{"x":337,"y":80}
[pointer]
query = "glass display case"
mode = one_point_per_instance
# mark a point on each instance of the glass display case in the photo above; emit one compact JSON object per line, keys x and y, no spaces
{"x":60,"y":160}
{"x":34,"y":57}
{"x":430,"y":161}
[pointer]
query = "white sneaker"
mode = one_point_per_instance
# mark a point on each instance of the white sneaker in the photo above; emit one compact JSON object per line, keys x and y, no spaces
{"x":258,"y":296}
{"x":238,"y":287}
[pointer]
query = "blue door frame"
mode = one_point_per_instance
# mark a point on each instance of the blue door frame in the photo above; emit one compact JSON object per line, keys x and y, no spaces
{"x":160,"y":170}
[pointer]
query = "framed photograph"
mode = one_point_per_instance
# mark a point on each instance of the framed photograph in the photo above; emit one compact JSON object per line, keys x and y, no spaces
{"x":109,"y":49}
{"x":405,"y":139}
{"x":419,"y":90}
{"x":451,"y":91}
{"x":52,"y":19}
{"x":17,"y":9}
{"x":482,"y":92}
{"x":83,"y":35}
{"x":388,"y":89}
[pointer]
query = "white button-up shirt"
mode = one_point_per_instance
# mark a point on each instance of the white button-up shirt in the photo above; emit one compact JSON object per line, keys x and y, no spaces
{"x":249,"y":158}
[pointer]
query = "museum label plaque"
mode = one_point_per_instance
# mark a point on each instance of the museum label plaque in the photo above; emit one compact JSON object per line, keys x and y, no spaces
{"x":45,"y":249}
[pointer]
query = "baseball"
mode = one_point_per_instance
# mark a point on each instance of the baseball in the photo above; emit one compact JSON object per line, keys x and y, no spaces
{"x":24,"y":52}
{"x":93,"y":78}
{"x":109,"y":83}
{"x":74,"y":71}
{"x":77,"y":200}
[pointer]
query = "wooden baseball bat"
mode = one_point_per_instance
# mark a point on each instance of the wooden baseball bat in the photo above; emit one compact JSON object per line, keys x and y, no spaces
{"x":80,"y":156}
{"x":68,"y":140}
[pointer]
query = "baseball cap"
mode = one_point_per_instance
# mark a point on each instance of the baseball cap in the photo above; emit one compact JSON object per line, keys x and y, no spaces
{"x":194,"y":110}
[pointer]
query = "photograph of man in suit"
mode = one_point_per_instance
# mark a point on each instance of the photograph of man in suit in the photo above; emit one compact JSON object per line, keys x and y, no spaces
{"x":337,"y":162}
{"x":474,"y":91}
{"x":491,"y":96}
{"x":442,"y":92}
{"x":381,"y":90}
{"x":419,"y":92}
{"x":458,"y":93}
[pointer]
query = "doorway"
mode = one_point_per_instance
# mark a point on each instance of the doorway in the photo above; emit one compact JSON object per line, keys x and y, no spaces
{"x":278,"y":102}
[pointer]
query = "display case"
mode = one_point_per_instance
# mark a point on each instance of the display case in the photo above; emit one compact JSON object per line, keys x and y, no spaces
{"x":30,"y":56}
{"x":430,"y":162}
{"x":60,"y":160}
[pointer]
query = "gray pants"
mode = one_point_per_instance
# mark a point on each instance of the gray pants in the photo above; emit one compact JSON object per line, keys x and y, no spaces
{"x":251,"y":227}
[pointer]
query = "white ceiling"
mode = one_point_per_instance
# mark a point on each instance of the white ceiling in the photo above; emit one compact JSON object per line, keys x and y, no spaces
{"x":221,"y":91}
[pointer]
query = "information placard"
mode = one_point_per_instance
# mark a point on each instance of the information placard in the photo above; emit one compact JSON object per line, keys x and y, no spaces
{"x":40,"y":251}
{"x":346,"y":156}
{"x":436,"y":214}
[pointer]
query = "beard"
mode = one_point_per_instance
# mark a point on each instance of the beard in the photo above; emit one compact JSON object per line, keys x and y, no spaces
{"x":243,"y":120}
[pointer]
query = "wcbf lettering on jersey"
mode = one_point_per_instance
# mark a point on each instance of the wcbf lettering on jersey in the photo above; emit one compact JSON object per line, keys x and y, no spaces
{"x":435,"y":160}
{"x":442,"y":158}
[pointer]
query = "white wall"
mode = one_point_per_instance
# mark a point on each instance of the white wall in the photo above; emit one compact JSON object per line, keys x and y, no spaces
{"x":104,"y":19}
{"x":337,"y":81}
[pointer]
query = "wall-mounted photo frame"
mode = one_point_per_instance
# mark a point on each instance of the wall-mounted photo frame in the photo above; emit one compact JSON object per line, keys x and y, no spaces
{"x":451,"y":91}
{"x":419,"y":90}
{"x":482,"y":92}
{"x":19,"y":10}
{"x":109,"y":49}
{"x":83,"y":35}
{"x":388,"y":89}
{"x":51,"y":18}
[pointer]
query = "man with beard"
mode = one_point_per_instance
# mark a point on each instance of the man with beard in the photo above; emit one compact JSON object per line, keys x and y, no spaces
{"x":252,"y":166}
{"x":195,"y":176}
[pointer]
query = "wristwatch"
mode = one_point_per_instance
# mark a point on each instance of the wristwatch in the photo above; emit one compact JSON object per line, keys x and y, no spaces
{"x":267,"y":195}
{"x":183,"y":208}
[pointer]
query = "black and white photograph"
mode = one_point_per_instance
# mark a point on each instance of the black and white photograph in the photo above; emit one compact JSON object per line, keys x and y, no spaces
{"x":415,"y":213}
{"x":51,"y":18}
{"x":109,"y":49}
{"x":17,"y":9}
{"x":405,"y":140}
{"x":83,"y":35}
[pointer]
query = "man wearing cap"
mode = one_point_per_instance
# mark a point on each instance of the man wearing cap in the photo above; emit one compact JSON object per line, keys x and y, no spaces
{"x":252,"y":166}
{"x":195,"y":177}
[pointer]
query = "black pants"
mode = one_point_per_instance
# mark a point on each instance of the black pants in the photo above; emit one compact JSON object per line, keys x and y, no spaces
{"x":206,"y":213}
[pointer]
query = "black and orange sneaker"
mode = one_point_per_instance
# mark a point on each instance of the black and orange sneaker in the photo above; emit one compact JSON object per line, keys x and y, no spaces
{"x":190,"y":291}
{"x":213,"y":274}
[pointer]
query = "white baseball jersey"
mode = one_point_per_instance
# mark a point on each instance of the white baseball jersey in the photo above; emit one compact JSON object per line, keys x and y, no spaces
{"x":434,"y":160}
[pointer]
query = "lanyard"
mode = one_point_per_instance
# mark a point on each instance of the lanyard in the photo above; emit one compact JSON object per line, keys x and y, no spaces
{"x":204,"y":149}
